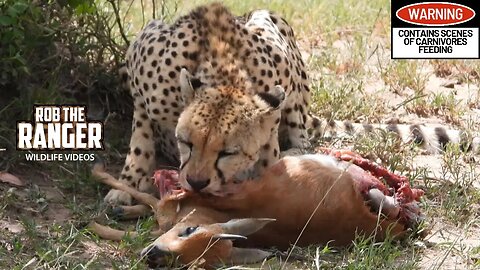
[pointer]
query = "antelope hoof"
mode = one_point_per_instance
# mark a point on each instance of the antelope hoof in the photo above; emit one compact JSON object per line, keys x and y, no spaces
{"x":117,"y":211}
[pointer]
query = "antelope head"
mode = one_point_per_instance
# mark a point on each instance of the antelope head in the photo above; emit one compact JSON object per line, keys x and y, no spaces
{"x":206,"y":245}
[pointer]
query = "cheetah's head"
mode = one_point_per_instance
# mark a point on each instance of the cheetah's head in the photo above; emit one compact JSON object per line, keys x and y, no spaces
{"x":222,"y":131}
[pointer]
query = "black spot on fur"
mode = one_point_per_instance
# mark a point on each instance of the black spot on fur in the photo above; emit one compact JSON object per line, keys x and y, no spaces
{"x":348,"y":127}
{"x":274,"y":20}
{"x":269,"y":99}
{"x":442,"y":136}
{"x":277,"y":58}
{"x":368,"y":127}
{"x":418,"y":137}
{"x":465,"y":143}
{"x":331,"y":123}
{"x":393,"y":128}
{"x":304,"y":75}
{"x":150,"y":50}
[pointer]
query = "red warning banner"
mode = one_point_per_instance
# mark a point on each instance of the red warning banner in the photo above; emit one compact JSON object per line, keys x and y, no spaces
{"x":435,"y":30}
{"x":435,"y":14}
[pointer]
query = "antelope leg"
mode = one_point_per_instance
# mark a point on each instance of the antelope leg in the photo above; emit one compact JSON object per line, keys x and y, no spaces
{"x":109,"y":233}
{"x":131,"y":211}
{"x":99,"y":172}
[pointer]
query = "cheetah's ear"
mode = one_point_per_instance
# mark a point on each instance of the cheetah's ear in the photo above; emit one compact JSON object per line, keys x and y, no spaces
{"x":188,"y":85}
{"x":272,"y":100}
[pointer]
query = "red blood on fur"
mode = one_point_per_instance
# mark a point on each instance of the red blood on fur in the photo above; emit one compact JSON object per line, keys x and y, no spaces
{"x":166,"y":181}
{"x":403,"y":193}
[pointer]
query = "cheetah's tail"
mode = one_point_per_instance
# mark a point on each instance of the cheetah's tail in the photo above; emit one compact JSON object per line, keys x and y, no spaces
{"x":432,"y":138}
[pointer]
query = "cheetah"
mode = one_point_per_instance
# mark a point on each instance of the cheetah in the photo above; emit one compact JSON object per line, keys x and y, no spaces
{"x":224,"y":97}
{"x":215,"y":92}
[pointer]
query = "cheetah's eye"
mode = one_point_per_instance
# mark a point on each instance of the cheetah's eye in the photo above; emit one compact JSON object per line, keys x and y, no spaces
{"x":225,"y":153}
{"x":185,"y":142}
{"x":196,"y":83}
{"x":188,"y":231}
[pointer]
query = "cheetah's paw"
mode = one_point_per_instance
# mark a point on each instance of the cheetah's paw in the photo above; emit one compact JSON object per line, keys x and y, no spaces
{"x":118,"y":197}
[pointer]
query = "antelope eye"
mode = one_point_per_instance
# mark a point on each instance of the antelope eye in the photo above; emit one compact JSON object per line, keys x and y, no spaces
{"x":188,"y":231}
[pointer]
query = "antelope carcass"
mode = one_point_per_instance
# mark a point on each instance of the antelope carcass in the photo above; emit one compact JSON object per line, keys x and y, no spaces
{"x":302,"y":200}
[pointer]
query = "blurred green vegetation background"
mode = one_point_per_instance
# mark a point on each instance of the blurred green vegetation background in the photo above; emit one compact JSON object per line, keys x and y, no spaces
{"x":69,"y":51}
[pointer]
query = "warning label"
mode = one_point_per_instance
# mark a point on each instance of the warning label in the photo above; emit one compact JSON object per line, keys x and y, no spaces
{"x":425,"y":30}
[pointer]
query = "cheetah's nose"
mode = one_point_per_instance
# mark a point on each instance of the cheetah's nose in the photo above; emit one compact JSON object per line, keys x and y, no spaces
{"x":197,"y":184}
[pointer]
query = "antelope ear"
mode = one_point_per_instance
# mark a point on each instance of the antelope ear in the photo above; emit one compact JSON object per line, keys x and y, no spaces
{"x":248,"y":255}
{"x":272,"y":100}
{"x":188,"y":85}
{"x":227,"y":236}
{"x":245,"y":226}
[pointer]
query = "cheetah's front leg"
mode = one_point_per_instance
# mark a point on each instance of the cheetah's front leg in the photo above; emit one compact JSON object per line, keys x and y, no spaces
{"x":140,"y":160}
{"x":293,"y":125}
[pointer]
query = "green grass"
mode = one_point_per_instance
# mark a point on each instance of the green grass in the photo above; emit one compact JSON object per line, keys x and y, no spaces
{"x":402,"y":74}
{"x":348,"y":101}
{"x":442,"y":105}
{"x":458,"y":194}
{"x":306,"y":16}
